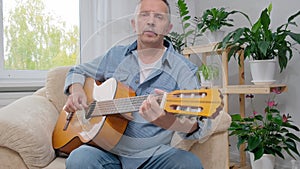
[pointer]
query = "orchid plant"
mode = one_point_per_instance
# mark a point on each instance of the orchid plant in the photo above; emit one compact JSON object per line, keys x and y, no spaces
{"x":266,"y":132}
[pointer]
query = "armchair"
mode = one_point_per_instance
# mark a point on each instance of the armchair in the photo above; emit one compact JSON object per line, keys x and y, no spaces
{"x":26,"y":127}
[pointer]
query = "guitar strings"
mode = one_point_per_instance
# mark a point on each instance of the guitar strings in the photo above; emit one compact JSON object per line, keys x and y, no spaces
{"x":120,"y":105}
{"x":130,"y":104}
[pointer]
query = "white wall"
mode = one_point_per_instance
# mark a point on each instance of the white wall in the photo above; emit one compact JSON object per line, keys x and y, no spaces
{"x":289,"y":101}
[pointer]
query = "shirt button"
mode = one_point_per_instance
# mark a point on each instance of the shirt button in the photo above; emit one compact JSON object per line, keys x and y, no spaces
{"x":136,"y":81}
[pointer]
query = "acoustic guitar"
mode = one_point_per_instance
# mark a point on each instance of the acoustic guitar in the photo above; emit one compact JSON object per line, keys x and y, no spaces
{"x":110,"y":104}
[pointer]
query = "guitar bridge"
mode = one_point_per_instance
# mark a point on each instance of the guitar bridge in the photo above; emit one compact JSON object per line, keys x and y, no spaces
{"x":68,"y":119}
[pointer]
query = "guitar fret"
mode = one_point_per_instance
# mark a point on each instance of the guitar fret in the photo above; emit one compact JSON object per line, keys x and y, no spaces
{"x":137,"y":101}
{"x":123,"y":105}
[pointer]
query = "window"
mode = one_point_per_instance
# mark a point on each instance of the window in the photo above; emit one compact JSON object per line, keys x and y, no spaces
{"x":37,"y":35}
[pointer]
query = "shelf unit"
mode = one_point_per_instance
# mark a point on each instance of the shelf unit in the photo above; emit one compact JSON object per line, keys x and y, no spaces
{"x":241,"y":89}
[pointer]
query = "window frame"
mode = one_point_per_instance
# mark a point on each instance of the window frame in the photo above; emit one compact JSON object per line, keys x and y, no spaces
{"x":19,"y":80}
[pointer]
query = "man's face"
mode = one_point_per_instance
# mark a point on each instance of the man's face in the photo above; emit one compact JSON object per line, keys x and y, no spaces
{"x":152,"y":21}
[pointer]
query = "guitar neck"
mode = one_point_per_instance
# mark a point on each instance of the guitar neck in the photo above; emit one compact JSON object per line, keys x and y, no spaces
{"x":201,"y":102}
{"x":116,"y":106}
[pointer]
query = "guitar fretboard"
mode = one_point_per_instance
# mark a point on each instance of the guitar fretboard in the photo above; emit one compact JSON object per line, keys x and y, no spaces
{"x":193,"y":102}
{"x":117,"y":106}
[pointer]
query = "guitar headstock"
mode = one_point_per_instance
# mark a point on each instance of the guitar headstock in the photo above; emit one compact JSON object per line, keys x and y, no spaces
{"x":201,"y":102}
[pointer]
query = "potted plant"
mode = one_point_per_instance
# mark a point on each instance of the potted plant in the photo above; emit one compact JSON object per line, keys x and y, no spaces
{"x":259,"y":42}
{"x":266,"y":132}
{"x":206,"y":73}
{"x":213,"y":20}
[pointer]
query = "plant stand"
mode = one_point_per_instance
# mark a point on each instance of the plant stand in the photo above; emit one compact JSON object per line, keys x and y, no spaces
{"x":241,"y":89}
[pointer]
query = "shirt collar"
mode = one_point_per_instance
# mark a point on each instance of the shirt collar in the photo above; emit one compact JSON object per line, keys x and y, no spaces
{"x":170,"y":50}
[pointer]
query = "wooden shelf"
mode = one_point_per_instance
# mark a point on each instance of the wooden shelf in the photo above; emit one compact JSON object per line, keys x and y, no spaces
{"x":253,"y":89}
{"x":209,"y":48}
{"x":241,"y":89}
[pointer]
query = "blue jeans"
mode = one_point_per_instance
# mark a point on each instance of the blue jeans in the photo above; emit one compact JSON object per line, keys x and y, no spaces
{"x":87,"y":157}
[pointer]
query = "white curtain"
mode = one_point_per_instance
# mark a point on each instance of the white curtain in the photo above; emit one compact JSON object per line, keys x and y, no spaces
{"x":104,"y":23}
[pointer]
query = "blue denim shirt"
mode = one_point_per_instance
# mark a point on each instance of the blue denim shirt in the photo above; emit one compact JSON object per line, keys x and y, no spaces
{"x":141,"y":138}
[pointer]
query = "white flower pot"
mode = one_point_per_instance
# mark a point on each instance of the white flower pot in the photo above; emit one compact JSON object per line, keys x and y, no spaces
{"x":267,"y":161}
{"x":263,"y":71}
{"x":203,"y":81}
{"x":216,"y":36}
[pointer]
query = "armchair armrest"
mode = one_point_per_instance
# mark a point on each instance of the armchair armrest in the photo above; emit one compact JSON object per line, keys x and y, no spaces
{"x":213,"y":149}
{"x":26,"y":127}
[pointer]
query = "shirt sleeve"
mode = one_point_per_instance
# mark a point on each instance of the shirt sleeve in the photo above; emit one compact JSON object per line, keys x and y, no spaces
{"x":78,"y":73}
{"x":189,"y":80}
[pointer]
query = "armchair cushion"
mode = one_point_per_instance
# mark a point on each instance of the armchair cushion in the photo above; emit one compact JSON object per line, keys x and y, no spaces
{"x":55,"y":86}
{"x":26,"y":127}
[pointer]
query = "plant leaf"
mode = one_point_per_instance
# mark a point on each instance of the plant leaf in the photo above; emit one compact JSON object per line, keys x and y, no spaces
{"x":236,"y":117}
{"x":258,"y":153}
{"x":294,"y":36}
{"x":253,"y":142}
{"x":293,"y":16}
{"x":265,"y":19}
{"x":293,"y":136}
{"x":263,"y":46}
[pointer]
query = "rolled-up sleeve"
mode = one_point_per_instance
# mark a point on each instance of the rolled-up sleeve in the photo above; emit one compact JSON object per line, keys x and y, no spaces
{"x":188,"y":80}
{"x":78,"y":73}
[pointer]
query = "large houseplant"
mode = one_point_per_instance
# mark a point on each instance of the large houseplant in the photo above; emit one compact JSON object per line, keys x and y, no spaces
{"x":260,"y":42}
{"x":266,"y":132}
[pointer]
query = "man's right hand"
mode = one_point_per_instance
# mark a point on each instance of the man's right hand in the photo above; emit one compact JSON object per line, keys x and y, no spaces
{"x":77,"y":98}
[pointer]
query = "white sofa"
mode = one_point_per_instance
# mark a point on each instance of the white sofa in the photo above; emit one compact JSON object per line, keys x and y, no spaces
{"x":26,"y":127}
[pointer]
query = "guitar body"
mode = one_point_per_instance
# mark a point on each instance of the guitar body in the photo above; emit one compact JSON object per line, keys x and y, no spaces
{"x":100,"y":131}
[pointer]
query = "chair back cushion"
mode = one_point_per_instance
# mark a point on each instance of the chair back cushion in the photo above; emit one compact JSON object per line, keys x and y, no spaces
{"x":55,"y":86}
{"x":26,"y":127}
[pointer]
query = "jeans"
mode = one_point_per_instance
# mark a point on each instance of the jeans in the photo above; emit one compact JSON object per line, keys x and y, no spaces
{"x":87,"y":157}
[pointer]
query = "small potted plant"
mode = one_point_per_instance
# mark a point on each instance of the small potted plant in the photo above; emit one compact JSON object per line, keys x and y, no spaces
{"x":266,"y":132}
{"x":212,"y":20}
{"x":207,"y":73}
{"x":261,"y":43}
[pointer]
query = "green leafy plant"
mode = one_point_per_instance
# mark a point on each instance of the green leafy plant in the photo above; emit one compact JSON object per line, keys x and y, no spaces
{"x":190,"y":31}
{"x":209,"y":72}
{"x":260,"y":42}
{"x":215,"y":18}
{"x":268,"y":133}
